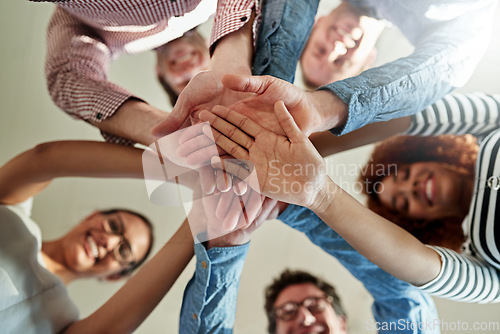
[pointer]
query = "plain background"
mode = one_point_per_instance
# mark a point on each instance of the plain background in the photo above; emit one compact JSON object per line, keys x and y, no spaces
{"x":29,"y":117}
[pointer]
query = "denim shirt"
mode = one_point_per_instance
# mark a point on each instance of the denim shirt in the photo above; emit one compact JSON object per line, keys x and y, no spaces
{"x":209,"y":303}
{"x":450,"y":37}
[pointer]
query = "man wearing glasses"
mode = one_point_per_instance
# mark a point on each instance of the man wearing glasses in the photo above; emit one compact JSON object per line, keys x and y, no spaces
{"x":297,"y":301}
{"x":209,"y":303}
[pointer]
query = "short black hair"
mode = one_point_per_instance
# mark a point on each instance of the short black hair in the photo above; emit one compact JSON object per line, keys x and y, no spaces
{"x":294,"y":277}
{"x":147,"y":222}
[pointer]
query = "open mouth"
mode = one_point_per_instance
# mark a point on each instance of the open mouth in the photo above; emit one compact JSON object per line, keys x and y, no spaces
{"x":184,"y":58}
{"x":316,"y":329}
{"x":429,"y":189}
{"x":92,"y":250}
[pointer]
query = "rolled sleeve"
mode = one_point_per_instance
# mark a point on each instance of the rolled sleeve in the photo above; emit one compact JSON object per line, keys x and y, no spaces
{"x":395,"y":301}
{"x":231,"y":15}
{"x":449,"y":37}
{"x":209,"y":303}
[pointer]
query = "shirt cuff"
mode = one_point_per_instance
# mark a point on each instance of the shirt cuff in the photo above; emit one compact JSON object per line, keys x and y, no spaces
{"x":429,"y":286}
{"x":357,"y":116}
{"x":219,"y":265}
{"x":230,"y":17}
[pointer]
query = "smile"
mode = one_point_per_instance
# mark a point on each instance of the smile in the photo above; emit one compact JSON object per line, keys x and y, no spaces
{"x":429,"y":189}
{"x":94,"y":250}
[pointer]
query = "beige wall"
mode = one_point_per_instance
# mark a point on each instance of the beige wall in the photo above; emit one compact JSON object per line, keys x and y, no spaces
{"x":29,"y":117}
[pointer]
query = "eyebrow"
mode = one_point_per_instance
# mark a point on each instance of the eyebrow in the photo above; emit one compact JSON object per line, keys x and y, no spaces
{"x":120,"y":220}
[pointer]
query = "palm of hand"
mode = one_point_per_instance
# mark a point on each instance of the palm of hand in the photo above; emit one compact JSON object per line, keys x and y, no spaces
{"x":205,"y":91}
{"x":284,"y":170}
{"x":260,"y":107}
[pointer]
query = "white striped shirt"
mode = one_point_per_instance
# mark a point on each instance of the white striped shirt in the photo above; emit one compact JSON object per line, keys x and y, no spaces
{"x":473,"y":277}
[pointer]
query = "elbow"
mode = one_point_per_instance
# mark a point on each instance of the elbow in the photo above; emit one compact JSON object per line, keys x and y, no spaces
{"x":44,"y":152}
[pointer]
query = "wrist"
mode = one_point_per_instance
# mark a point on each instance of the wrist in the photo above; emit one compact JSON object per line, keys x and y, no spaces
{"x":324,"y":198}
{"x":227,"y":241}
{"x":234,"y":52}
{"x":332,"y":112}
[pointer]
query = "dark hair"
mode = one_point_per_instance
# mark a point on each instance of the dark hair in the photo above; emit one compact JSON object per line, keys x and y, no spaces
{"x":172,"y":96}
{"x":457,"y":152}
{"x":147,"y":222}
{"x":294,"y":277}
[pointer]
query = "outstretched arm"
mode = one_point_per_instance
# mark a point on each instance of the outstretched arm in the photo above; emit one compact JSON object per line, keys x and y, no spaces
{"x":132,"y":304}
{"x":382,"y":242}
{"x":76,"y":69}
{"x":30,"y":172}
{"x":232,"y":45}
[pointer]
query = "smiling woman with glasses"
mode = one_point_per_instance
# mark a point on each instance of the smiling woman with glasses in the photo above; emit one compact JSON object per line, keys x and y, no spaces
{"x":107,"y":245}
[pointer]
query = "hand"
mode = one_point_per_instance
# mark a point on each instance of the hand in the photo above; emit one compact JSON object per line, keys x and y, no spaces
{"x":288,"y":168}
{"x":204,"y":91}
{"x":196,"y":149}
{"x":270,"y":210}
{"x":312,"y":111}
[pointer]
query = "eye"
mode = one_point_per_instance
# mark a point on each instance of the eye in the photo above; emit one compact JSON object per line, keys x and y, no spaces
{"x":125,"y":251}
{"x":321,"y":51}
{"x":406,"y":173}
{"x":114,"y":226}
{"x":406,"y":205}
{"x":314,"y":305}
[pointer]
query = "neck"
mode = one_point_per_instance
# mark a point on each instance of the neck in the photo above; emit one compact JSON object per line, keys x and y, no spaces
{"x":54,"y":261}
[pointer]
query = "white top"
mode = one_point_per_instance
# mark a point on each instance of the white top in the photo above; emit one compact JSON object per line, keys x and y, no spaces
{"x":32,"y":300}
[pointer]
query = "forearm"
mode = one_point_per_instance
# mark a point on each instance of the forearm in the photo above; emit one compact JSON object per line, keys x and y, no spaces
{"x":283,"y":33}
{"x":445,"y":56}
{"x":233,"y":53}
{"x":28,"y":173}
{"x":76,"y":70}
{"x":394,"y":300}
{"x":133,"y":120}
{"x":209,"y":303}
{"x":131,"y":305}
{"x":327,"y":143}
{"x":380,"y":241}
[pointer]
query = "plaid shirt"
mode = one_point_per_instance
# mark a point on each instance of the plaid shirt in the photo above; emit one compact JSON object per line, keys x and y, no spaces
{"x":83,"y":37}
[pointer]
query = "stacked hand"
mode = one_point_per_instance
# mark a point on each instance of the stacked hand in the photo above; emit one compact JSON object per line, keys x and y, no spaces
{"x":287,"y":168}
{"x":305,"y":107}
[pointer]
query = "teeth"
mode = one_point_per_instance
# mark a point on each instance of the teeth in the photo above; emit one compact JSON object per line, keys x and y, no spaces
{"x":93,"y":246}
{"x":187,"y":56}
{"x":428,"y":190}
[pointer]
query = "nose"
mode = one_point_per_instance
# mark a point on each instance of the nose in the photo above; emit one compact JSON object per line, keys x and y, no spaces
{"x":305,"y":317}
{"x":409,"y":187}
{"x":338,"y":50}
{"x":108,"y":242}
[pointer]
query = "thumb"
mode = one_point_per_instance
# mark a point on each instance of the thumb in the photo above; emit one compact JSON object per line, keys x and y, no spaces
{"x":247,"y":84}
{"x":287,"y":123}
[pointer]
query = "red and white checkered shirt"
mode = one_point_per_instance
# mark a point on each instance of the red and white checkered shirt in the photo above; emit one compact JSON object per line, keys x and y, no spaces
{"x":84,"y":36}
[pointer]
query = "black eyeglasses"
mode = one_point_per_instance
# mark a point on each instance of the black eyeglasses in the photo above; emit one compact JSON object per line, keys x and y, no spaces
{"x":122,"y":252}
{"x":289,"y":311}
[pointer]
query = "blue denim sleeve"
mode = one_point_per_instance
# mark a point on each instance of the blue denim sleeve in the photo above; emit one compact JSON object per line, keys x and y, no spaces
{"x":450,"y":37}
{"x":209,"y":303}
{"x":282,"y":35}
{"x":448,"y":46}
{"x":398,"y":306}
